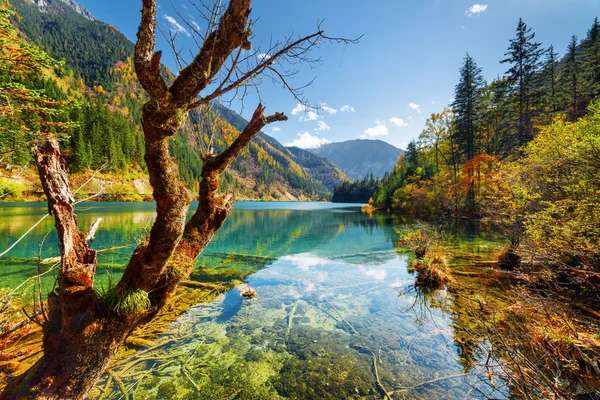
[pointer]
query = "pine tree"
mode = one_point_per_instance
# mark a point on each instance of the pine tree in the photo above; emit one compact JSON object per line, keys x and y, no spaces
{"x":27,"y":111}
{"x":591,"y":61}
{"x":550,"y":74}
{"x":524,"y":56}
{"x":465,"y":106}
{"x":571,"y":79}
{"x":412,"y":158}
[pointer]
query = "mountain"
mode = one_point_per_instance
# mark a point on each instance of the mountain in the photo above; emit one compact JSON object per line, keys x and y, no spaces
{"x":68,"y":32}
{"x":99,"y":74}
{"x":49,"y":5}
{"x":321,"y":168}
{"x":318,"y":167}
{"x":359,"y":158}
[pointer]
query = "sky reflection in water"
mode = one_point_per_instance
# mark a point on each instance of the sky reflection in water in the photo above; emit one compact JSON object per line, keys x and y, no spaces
{"x":327,"y":279}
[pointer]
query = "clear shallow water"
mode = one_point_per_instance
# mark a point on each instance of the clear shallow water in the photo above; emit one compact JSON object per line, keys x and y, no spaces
{"x":327,"y":322}
{"x":124,"y":224}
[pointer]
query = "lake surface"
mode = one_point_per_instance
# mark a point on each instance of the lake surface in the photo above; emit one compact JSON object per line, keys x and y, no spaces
{"x":336,"y":315}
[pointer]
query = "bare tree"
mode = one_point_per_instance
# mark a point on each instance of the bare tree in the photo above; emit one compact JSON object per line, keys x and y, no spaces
{"x":84,"y":329}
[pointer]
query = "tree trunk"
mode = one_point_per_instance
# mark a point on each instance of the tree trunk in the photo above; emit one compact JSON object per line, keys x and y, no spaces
{"x":76,"y":348}
{"x":83,"y":330}
{"x":83,"y":333}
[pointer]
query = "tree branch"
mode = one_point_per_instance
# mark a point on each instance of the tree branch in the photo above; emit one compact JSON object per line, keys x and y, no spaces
{"x":220,"y":162}
{"x":213,"y":208}
{"x":147,"y":62}
{"x":254,"y":72}
{"x":217,"y":47}
{"x":91,"y":234}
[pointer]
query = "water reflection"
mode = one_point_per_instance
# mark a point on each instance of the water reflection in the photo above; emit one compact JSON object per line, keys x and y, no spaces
{"x":327,"y":322}
{"x":253,"y":236}
{"x":314,"y":331}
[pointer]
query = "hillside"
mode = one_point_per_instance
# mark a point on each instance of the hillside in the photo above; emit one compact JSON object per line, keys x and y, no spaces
{"x":321,"y":168}
{"x":90,"y":48}
{"x":99,"y":74}
{"x":360,"y":158}
{"x":318,"y":167}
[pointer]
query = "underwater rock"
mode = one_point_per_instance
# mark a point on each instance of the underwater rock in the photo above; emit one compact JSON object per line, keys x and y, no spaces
{"x":246,"y":291}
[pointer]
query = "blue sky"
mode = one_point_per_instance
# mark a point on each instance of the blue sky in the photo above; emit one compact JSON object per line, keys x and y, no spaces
{"x":404,"y":68}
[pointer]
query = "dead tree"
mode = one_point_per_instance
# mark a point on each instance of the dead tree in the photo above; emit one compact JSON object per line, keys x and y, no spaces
{"x":84,"y":329}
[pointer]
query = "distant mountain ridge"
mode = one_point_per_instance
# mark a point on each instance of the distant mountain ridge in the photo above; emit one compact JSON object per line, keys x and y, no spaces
{"x":361,"y":157}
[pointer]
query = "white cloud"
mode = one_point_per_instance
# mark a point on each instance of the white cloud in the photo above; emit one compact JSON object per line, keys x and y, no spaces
{"x":309,"y":115}
{"x":347,"y":108}
{"x":432,"y":101}
{"x":476,"y":9}
{"x":451,"y":100}
{"x":307,"y":141}
{"x":322,"y":126}
{"x":415,"y":106}
{"x":379,"y":130}
{"x":328,"y":109}
{"x":276,"y":129}
{"x":196,"y":25}
{"x":263,"y":56}
{"x":397,"y":121}
{"x":298,"y":109}
{"x":176,"y":26}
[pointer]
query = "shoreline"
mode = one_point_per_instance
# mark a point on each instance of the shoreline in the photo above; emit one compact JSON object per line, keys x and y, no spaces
{"x":245,"y":200}
{"x":23,"y":185}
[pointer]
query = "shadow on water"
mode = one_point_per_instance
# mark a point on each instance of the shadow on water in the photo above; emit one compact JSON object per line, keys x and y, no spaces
{"x":232,"y":303}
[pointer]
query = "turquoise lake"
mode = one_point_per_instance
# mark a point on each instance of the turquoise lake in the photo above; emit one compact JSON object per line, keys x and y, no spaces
{"x":336,"y":315}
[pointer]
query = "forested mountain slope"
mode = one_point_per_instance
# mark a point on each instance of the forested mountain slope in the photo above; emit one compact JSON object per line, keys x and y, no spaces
{"x":361,"y":158}
{"x":98,"y":80}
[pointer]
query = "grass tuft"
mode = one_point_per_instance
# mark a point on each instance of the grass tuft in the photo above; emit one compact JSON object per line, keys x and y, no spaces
{"x":433,"y":269}
{"x":124,"y":301}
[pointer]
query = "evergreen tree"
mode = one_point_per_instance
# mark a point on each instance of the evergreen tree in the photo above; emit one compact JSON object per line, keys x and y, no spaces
{"x":495,"y":125}
{"x":465,"y":106}
{"x":571,"y":80}
{"x":359,"y":191}
{"x":550,"y":75}
{"x":467,"y":116}
{"x":524,"y":56}
{"x":27,"y":111}
{"x":411,"y":158}
{"x":591,"y":63}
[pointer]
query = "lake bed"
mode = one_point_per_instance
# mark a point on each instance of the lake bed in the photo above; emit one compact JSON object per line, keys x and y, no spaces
{"x":336,"y":313}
